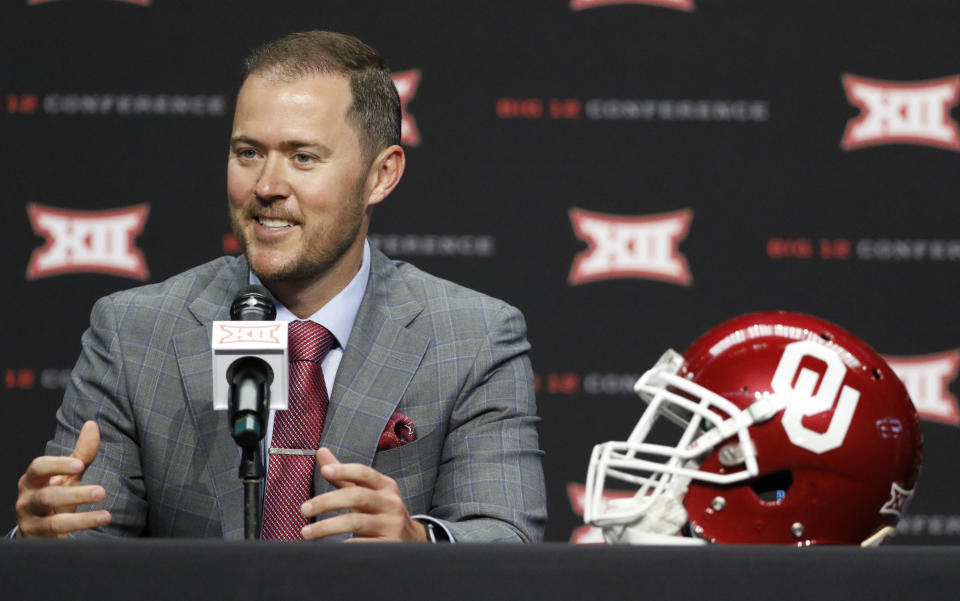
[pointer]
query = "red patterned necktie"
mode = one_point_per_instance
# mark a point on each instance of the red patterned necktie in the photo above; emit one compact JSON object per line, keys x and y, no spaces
{"x":290,"y":474}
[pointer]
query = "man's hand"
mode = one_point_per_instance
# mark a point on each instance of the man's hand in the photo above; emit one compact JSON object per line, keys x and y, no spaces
{"x":50,"y":491}
{"x":377,"y":511}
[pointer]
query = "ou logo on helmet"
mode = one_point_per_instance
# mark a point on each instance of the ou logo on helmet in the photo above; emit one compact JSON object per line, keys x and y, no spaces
{"x":796,"y":385}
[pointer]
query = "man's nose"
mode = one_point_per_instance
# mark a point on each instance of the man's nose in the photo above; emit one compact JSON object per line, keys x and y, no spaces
{"x":272,"y":183}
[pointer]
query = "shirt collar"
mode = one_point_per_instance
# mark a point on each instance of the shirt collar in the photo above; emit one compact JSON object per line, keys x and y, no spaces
{"x":339,"y":314}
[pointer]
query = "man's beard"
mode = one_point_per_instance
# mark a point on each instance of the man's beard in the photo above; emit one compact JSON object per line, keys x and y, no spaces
{"x":316,"y":256}
{"x":312,"y":260}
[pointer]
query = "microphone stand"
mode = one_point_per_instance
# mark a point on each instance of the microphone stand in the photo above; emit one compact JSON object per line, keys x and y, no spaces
{"x":251,"y":474}
{"x":249,"y":398}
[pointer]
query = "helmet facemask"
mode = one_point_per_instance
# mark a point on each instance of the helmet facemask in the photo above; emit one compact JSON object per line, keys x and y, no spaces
{"x":663,"y":472}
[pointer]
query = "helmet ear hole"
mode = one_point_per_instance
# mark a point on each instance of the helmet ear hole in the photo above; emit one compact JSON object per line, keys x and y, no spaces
{"x":772,"y":488}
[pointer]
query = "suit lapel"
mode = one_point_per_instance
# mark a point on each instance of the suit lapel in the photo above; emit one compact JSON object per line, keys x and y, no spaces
{"x":378,"y":363}
{"x":195,"y":359}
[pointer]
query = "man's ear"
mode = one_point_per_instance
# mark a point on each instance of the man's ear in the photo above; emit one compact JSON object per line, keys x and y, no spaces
{"x":385,"y":173}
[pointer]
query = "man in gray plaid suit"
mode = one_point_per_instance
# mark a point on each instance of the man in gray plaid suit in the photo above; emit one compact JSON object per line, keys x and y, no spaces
{"x":314,"y":147}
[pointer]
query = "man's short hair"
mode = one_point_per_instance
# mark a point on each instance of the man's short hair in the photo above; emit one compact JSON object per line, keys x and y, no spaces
{"x":375,"y":111}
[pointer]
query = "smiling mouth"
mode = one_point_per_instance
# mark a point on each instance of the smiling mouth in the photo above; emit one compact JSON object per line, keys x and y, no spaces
{"x":274,"y":224}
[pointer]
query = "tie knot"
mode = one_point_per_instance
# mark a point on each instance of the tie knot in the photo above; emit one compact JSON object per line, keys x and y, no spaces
{"x":308,"y":341}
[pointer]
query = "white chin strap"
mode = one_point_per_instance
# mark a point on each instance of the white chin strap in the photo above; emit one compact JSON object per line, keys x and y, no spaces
{"x":660,"y":525}
{"x":646,"y":538}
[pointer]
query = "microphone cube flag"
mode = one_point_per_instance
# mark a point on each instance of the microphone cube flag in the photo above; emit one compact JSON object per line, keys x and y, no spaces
{"x":266,"y":340}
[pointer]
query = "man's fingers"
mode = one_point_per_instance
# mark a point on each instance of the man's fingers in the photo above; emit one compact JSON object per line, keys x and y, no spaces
{"x":49,"y":491}
{"x":63,"y":523}
{"x":62,"y":470}
{"x":324,"y":458}
{"x":42,"y":469}
{"x":59,"y":499}
{"x":341,"y":474}
{"x":366,"y":525}
{"x":88,"y":443}
{"x":376,"y":507}
{"x":354,"y":498}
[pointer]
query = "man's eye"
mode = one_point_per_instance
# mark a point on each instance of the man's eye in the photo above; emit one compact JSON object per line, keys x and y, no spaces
{"x":302,"y":158}
{"x":247,"y":153}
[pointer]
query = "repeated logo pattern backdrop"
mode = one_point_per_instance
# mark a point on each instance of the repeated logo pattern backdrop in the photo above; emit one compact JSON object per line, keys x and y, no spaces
{"x":632,"y":171}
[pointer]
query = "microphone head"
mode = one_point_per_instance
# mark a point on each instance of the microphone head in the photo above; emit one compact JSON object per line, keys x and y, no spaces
{"x":254,"y":303}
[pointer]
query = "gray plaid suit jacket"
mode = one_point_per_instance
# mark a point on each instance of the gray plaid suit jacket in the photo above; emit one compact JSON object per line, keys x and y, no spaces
{"x":453,"y":360}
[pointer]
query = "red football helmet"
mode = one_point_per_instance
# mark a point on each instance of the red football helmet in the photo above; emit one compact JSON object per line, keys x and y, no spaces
{"x":792,"y":431}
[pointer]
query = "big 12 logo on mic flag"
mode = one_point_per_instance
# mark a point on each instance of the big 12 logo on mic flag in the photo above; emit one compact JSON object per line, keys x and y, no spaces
{"x":631,"y":246}
{"x":243,"y":333}
{"x":265,"y":340}
{"x":902,"y":112}
{"x":406,"y":83}
{"x":88,"y":241}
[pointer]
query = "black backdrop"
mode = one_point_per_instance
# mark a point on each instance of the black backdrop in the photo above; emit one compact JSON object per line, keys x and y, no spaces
{"x":713,"y":131}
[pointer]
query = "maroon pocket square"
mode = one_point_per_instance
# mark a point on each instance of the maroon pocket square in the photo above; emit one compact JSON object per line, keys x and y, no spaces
{"x":399,"y":431}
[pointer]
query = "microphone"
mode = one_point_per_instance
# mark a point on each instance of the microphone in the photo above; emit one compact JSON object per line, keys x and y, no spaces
{"x":254,"y":303}
{"x":249,"y":379}
{"x":250,"y":364}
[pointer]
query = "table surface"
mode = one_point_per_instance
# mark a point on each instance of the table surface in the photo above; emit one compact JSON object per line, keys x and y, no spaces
{"x":188,"y":569}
